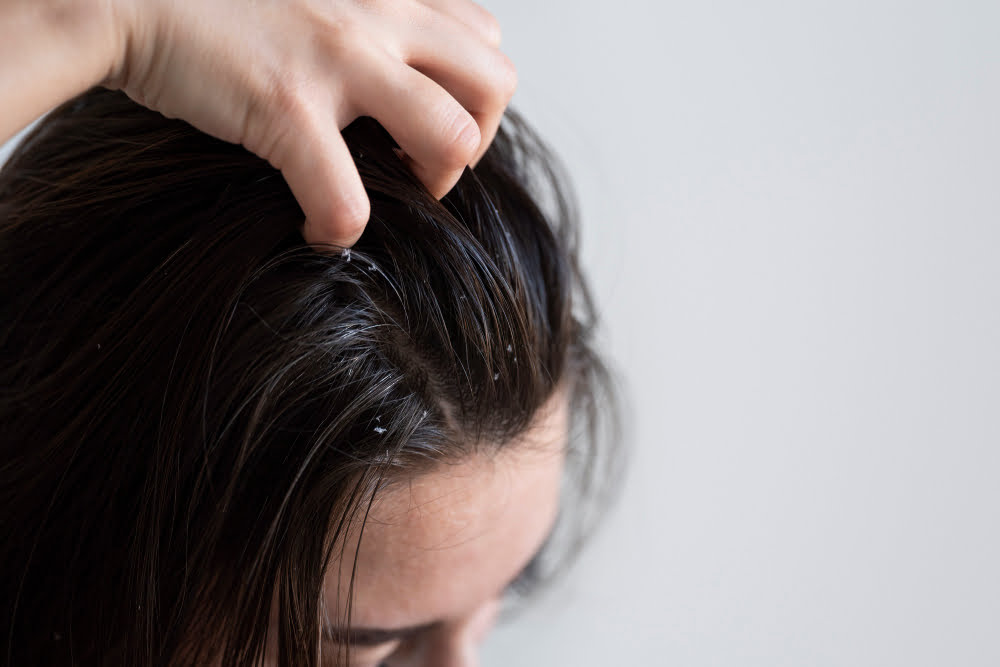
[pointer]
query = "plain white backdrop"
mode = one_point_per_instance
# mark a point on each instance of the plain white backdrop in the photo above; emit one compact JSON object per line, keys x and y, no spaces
{"x":791,"y":219}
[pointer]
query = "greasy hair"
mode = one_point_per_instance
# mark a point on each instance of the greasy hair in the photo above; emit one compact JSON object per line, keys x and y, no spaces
{"x":196,"y":404}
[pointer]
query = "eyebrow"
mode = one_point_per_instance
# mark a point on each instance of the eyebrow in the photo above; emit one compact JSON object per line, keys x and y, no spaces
{"x":374,"y":636}
{"x":379,"y":636}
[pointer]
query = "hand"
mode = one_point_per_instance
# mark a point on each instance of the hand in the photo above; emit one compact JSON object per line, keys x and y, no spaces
{"x":283,"y":77}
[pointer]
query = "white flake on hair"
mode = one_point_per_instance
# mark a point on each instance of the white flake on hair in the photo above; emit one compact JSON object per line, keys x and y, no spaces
{"x":379,"y":430}
{"x":346,"y":254}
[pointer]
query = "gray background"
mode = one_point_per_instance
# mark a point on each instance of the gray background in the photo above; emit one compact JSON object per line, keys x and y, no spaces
{"x":792,"y":223}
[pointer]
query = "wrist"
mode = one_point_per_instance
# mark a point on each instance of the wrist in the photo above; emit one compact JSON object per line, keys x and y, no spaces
{"x":116,"y":20}
{"x":51,"y":50}
{"x":90,"y":36}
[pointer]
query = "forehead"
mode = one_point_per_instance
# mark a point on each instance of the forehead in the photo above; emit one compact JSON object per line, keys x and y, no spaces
{"x":439,"y":545}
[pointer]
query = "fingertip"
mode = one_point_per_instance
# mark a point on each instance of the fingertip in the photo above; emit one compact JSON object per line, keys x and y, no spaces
{"x":438,"y":183}
{"x":340,"y":228}
{"x":323,"y":177}
{"x":354,"y":221}
{"x":448,"y":184}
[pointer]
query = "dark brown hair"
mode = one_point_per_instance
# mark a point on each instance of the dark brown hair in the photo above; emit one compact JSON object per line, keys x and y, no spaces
{"x":195,"y":403}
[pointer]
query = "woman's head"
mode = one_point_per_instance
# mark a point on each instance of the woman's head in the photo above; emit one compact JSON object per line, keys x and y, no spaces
{"x":216,"y":439}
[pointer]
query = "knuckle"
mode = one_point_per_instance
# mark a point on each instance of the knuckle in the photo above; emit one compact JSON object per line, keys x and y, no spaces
{"x":290,"y":104}
{"x":384,"y":8}
{"x":497,"y":88}
{"x":340,"y":41}
{"x":506,"y":78}
{"x":491,"y":26}
{"x":286,"y":101}
{"x":416,"y":14}
{"x":329,"y":34}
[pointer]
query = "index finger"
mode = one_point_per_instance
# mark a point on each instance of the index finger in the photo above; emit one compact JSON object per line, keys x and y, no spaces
{"x":321,"y":173}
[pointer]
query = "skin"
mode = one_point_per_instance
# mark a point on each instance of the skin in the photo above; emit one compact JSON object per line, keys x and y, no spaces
{"x":438,"y":550}
{"x":280,"y":77}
